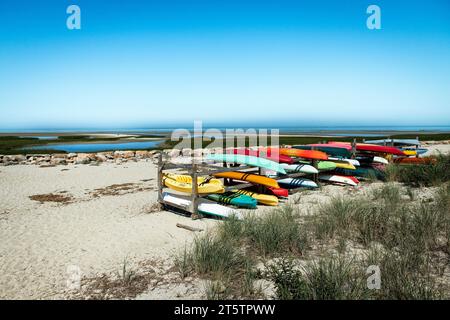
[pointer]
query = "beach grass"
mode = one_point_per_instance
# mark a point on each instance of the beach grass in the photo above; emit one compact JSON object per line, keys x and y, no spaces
{"x":310,"y":257}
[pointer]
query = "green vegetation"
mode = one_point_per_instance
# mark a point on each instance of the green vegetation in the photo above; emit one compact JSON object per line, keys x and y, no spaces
{"x":310,"y":257}
{"x":421,"y":175}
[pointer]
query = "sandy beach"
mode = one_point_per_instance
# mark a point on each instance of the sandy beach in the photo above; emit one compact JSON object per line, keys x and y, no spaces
{"x":105,"y":215}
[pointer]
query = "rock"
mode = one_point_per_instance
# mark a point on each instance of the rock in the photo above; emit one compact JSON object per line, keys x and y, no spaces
{"x":43,"y":159}
{"x":71,"y":155}
{"x":108,"y":154}
{"x":117,"y":154}
{"x":128,"y":154}
{"x":19,"y":158}
{"x":118,"y":161}
{"x":101,"y":157}
{"x":59,"y":155}
{"x":83,"y":158}
{"x":142,"y":154}
{"x":58,"y":161}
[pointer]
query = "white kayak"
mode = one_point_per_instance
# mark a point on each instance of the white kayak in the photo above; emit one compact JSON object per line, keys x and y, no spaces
{"x":351,"y":161}
{"x":293,"y":183}
{"x":305,"y":168}
{"x":380,"y":160}
{"x":205,"y":206}
{"x":397,"y":142}
{"x":352,"y":181}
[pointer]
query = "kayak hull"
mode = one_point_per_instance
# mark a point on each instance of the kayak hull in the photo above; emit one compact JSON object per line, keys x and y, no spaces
{"x":183,"y":183}
{"x":248,"y":177}
{"x":205,"y":206}
{"x":293,"y":183}
{"x":247,"y":160}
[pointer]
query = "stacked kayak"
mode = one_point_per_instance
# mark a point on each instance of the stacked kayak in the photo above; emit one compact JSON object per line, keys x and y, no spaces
{"x":265,"y":199}
{"x":247,"y":160}
{"x":264,"y":154}
{"x":249,"y":177}
{"x":283,"y":170}
{"x":294,"y":183}
{"x":235,"y":199}
{"x":183,"y":183}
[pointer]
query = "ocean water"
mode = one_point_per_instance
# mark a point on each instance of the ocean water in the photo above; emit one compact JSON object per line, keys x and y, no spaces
{"x":98,"y":147}
{"x":338,"y":130}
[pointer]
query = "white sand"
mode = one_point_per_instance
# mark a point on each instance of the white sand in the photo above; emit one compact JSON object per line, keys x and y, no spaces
{"x":39,"y":241}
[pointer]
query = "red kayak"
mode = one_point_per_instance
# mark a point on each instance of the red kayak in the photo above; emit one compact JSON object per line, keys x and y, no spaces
{"x":279,"y":192}
{"x":369,"y":147}
{"x":262,"y":154}
{"x":299,"y":153}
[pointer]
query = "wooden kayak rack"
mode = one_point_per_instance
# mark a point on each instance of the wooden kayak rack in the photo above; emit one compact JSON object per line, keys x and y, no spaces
{"x":195,"y":169}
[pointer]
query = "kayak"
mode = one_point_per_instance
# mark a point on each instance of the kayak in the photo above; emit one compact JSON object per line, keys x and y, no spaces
{"x":235,"y":199}
{"x":249,"y":177}
{"x":261,"y":154}
{"x":324,"y":165}
{"x":344,"y":164}
{"x":330,"y":150}
{"x":247,"y":160}
{"x":369,"y":147}
{"x":371,"y":159}
{"x":298,"y":153}
{"x":205,"y":206}
{"x":352,"y":181}
{"x":265,"y":199}
{"x":409,"y":152}
{"x":183,"y":183}
{"x":418,"y":151}
{"x":279,"y":192}
{"x":354,"y":162}
{"x":396,"y":142}
{"x":293,"y":183}
{"x":362,"y":172}
{"x":304,"y":168}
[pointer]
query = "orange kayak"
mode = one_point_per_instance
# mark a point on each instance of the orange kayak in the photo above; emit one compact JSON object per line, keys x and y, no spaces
{"x":249,"y":177}
{"x":426,"y":160}
{"x":299,"y":153}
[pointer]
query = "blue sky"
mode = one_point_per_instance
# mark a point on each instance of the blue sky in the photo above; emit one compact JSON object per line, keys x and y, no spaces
{"x":141,"y":64}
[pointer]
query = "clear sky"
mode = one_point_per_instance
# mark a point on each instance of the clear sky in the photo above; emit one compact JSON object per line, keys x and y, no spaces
{"x":147,"y":63}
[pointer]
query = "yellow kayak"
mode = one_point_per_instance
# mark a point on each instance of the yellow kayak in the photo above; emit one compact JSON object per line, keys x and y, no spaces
{"x":410,"y":152}
{"x":249,"y":177}
{"x":266,"y":199}
{"x":183,"y":183}
{"x":344,"y":165}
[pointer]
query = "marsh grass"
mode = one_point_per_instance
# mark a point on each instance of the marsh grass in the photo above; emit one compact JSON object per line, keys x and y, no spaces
{"x":412,"y":240}
{"x":334,"y":278}
{"x":402,"y":276}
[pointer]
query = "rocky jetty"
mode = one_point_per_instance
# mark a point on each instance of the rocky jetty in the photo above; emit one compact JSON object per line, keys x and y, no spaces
{"x":117,"y":157}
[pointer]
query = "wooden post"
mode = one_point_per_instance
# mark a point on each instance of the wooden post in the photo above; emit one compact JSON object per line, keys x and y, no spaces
{"x":160,"y":184}
{"x":194,"y":193}
{"x":315,"y":164}
{"x":417,"y":146}
{"x":353,"y":148}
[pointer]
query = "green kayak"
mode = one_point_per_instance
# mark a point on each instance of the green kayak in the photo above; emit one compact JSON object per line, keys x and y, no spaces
{"x":248,"y":160}
{"x":323,"y":165}
{"x":235,"y":199}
